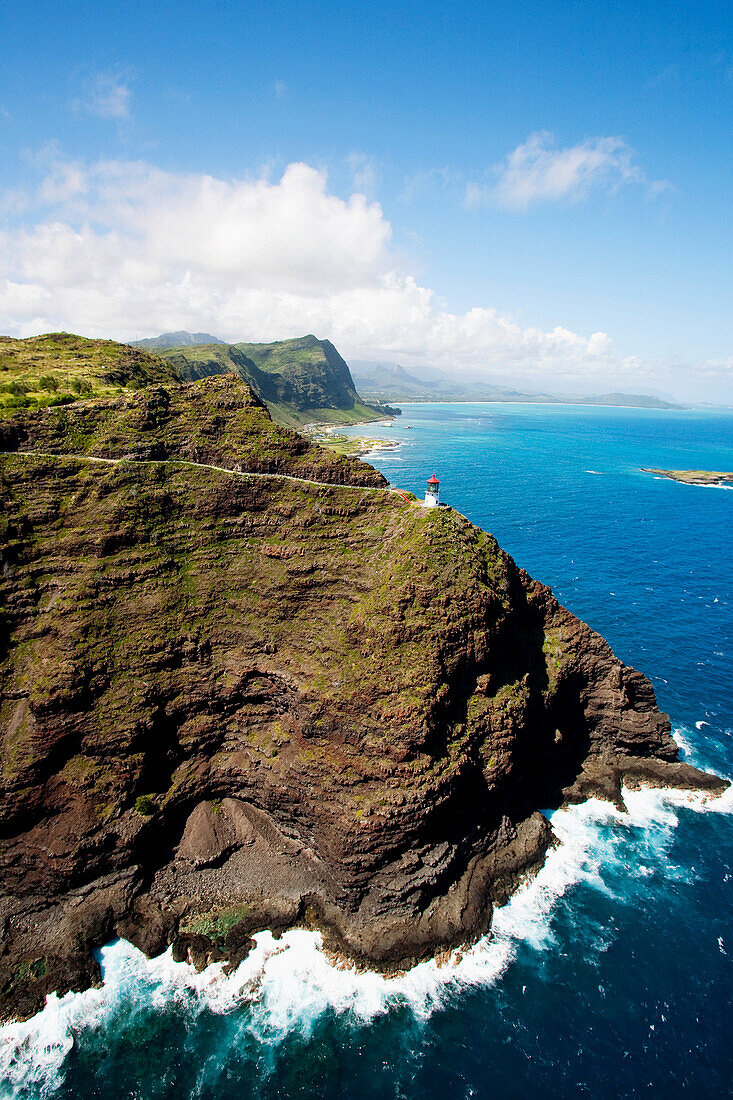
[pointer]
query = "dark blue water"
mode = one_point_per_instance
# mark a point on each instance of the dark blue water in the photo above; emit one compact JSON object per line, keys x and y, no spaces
{"x":612,"y":974}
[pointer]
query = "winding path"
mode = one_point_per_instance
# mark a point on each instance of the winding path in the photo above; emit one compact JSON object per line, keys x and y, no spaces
{"x":207,"y":466}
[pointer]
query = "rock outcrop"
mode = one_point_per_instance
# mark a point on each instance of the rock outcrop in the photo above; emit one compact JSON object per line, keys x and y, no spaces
{"x":233,"y":702}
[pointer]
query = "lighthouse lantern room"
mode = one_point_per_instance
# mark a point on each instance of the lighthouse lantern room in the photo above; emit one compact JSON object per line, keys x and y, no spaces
{"x":431,"y":492}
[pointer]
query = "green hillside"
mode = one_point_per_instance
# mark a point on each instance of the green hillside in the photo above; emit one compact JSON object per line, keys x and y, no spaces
{"x":303,"y":380}
{"x":58,"y":368}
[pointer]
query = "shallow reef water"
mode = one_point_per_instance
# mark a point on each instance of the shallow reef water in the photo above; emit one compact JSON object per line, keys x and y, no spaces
{"x":610,"y":973}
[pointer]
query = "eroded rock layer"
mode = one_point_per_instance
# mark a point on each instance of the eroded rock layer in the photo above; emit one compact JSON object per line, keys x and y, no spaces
{"x":234,"y":702}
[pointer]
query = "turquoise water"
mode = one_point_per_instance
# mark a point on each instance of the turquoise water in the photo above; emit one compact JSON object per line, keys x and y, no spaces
{"x":611,"y":974}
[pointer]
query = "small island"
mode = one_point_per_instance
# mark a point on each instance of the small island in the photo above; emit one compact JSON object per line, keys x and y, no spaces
{"x":693,"y":477}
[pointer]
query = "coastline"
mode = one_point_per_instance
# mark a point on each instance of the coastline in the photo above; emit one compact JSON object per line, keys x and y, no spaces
{"x":357,"y":446}
{"x":573,"y":936}
{"x":711,"y":479}
{"x":529,"y":739}
{"x":398,"y":402}
{"x":291,"y":979}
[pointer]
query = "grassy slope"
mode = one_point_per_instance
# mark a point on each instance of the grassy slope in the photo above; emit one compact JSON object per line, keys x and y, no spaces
{"x":149,"y":556}
{"x":216,"y":421}
{"x":303,"y":380}
{"x":204,"y":360}
{"x":58,"y":368}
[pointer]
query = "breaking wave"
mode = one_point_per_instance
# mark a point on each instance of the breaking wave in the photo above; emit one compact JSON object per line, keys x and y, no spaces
{"x":287,"y":984}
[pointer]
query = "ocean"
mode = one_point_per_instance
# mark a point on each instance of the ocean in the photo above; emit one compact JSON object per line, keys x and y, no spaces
{"x":611,"y":973}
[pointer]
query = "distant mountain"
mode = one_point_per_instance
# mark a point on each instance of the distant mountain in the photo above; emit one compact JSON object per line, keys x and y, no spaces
{"x":177,"y":340}
{"x":302,"y":380}
{"x":380,"y":381}
{"x":430,"y":385}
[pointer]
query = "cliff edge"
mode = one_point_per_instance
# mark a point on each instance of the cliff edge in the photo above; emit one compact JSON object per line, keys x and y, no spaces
{"x":266,"y":690}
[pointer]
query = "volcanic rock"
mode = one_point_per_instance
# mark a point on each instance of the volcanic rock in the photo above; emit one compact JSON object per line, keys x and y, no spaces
{"x":232,"y":702}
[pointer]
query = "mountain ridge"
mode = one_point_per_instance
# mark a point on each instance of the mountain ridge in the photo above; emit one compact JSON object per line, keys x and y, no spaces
{"x":391,"y":382}
{"x":182,"y":338}
{"x":302,"y":379}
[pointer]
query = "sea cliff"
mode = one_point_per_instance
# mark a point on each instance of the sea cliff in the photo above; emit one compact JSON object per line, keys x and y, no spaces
{"x":245,"y":685}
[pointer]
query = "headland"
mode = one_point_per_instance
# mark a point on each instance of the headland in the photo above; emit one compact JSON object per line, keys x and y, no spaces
{"x":245,"y":685}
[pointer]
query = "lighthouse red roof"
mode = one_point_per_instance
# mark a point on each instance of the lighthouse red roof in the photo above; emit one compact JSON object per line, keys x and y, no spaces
{"x":433,"y":480}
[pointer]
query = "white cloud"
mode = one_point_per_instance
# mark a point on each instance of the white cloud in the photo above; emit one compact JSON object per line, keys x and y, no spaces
{"x":106,"y":95}
{"x":539,"y":171}
{"x":124,"y":249}
{"x":65,"y":180}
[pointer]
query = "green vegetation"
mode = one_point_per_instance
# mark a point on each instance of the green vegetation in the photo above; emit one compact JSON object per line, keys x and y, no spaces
{"x":353,"y":445}
{"x":145,"y":805}
{"x":184,"y":552}
{"x":59,"y":368}
{"x":30,"y":970}
{"x":302,"y":381}
{"x":552,"y":649}
{"x":151,"y":573}
{"x":215,"y":924}
{"x":216,"y":421}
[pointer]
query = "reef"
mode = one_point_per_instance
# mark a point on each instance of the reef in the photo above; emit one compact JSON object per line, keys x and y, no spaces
{"x":246,"y":686}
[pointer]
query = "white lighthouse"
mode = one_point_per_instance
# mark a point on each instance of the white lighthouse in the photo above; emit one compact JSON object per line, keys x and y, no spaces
{"x":431,"y":492}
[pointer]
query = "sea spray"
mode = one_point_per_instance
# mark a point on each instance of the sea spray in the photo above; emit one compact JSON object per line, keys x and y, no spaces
{"x":287,"y":984}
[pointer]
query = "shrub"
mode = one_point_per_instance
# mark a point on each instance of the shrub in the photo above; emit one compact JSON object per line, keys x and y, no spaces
{"x":56,"y":399}
{"x":15,"y":402}
{"x":144,"y":805}
{"x":81,"y":387}
{"x":48,"y":382}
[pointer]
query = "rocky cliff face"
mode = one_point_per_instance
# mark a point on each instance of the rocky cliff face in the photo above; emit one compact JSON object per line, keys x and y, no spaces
{"x":301,"y":380}
{"x":327,"y":380}
{"x":232,"y":702}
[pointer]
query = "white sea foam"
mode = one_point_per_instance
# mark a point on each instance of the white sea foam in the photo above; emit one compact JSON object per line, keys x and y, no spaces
{"x":659,"y":805}
{"x":286,"y":984}
{"x":681,"y":736}
{"x":32,"y":1053}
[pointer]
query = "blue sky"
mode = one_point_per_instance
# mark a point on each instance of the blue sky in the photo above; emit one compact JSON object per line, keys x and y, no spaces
{"x":532,"y":174}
